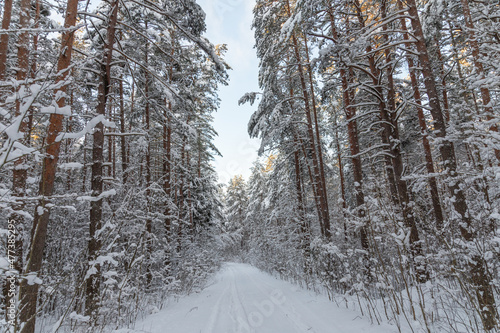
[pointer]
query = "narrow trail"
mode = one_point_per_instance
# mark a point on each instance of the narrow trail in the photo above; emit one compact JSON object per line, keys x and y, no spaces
{"x":243,"y":299}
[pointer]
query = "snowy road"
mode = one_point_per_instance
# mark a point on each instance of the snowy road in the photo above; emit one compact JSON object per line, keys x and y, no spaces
{"x":243,"y":299}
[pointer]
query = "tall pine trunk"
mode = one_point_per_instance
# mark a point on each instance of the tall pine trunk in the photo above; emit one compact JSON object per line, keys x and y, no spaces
{"x":429,"y":163}
{"x":94,"y":245}
{"x":352,"y":131}
{"x":478,"y":274}
{"x":324,"y":219}
{"x":20,"y":170}
{"x":476,"y":54}
{"x":324,"y":207}
{"x":397,"y":162}
{"x":4,"y":38}
{"x":149,"y":222}
{"x":29,"y":293}
{"x":323,"y":213}
{"x":305,"y":237}
{"x":341,"y":176}
{"x":304,"y":150}
{"x":390,"y":138}
{"x":167,"y":187}
{"x":123,"y":140}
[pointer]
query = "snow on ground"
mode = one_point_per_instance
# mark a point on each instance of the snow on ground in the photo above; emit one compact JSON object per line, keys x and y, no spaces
{"x":244,"y":299}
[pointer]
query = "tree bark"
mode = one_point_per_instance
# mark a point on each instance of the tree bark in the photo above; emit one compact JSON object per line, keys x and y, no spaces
{"x":123,"y":140}
{"x":325,"y":207}
{"x":303,"y":148}
{"x":181,"y":199}
{"x":442,"y":73}
{"x":433,"y":188}
{"x":189,"y":196}
{"x":299,"y":194}
{"x":485,"y":92}
{"x":341,"y":176}
{"x":111,"y":163}
{"x":323,"y":211}
{"x":4,"y":38}
{"x":304,"y":228}
{"x":390,"y":116}
{"x":304,"y":232}
{"x":94,"y":245}
{"x":67,"y":147}
{"x":384,"y":116}
{"x":352,"y":131}
{"x":149,"y":222}
{"x":20,"y":170}
{"x":167,"y":187}
{"x":479,"y":277}
{"x":29,"y":293}
{"x":466,"y":95}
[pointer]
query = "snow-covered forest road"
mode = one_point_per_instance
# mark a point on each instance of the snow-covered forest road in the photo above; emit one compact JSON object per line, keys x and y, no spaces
{"x":244,"y":299}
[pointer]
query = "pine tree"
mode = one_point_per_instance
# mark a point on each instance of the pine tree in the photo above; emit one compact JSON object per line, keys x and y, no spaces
{"x":29,"y":292}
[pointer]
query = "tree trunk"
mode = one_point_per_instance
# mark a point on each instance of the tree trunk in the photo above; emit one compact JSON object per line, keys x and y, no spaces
{"x":167,"y":168}
{"x":434,"y":192}
{"x":189,"y":197}
{"x":314,"y":146}
{"x":485,"y":92}
{"x":341,"y":176}
{"x":67,"y":147}
{"x":110,"y":161}
{"x":352,"y":130}
{"x":4,"y":38}
{"x":384,"y":117}
{"x":304,"y":232}
{"x":479,"y":277}
{"x":299,"y":194}
{"x":149,"y":222}
{"x":398,"y":167}
{"x":95,"y":243}
{"x":35,"y":39}
{"x":181,"y":197}
{"x":442,"y":73}
{"x":123,"y":141}
{"x":29,"y":293}
{"x":303,"y":147}
{"x":325,"y":208}
{"x":324,"y":220}
{"x":466,"y":95}
{"x":20,"y":172}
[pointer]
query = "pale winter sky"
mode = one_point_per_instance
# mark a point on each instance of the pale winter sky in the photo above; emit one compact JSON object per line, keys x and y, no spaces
{"x":229,"y":22}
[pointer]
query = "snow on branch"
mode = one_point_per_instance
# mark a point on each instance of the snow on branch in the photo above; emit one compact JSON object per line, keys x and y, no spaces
{"x":87,"y":129}
{"x":248,"y":98}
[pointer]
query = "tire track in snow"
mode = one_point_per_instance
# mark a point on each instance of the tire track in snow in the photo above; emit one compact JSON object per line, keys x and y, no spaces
{"x":244,"y":299}
{"x":238,"y":306}
{"x":295,"y":310}
{"x":292,"y":315}
{"x":215,"y":314}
